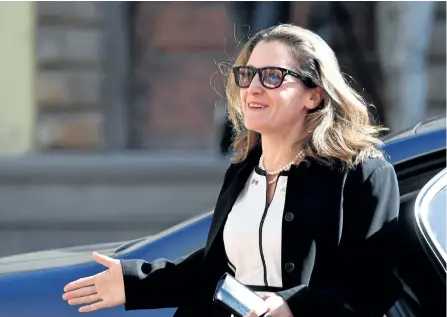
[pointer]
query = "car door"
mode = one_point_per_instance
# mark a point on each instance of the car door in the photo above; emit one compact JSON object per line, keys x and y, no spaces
{"x":422,"y":266}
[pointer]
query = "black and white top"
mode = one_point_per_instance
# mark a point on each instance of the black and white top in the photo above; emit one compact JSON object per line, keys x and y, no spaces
{"x":253,"y":231}
{"x":324,"y":243}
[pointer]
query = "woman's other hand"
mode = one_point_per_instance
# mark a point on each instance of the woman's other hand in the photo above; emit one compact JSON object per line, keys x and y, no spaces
{"x":105,"y":289}
{"x":277,"y":307}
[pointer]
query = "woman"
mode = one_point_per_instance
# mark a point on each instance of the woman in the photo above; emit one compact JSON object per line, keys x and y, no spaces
{"x":307,"y":213}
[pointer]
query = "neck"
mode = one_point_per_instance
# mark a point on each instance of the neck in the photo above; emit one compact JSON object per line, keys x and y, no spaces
{"x":279,"y":151}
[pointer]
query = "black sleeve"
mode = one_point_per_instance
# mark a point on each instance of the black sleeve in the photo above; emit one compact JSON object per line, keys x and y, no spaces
{"x":161,"y":283}
{"x":362,"y":281}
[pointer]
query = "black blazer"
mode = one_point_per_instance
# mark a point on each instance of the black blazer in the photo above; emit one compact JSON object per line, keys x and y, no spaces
{"x":339,"y":246}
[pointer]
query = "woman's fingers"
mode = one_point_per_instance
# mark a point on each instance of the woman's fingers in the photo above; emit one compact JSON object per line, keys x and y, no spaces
{"x":90,"y":280}
{"x":105,"y":289}
{"x":82,"y":282}
{"x":85,"y":291}
{"x":85,"y":300}
{"x":92,"y":307}
{"x":104,"y":260}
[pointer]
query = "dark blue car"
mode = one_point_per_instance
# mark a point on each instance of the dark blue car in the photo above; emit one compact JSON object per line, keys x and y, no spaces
{"x":32,"y":284}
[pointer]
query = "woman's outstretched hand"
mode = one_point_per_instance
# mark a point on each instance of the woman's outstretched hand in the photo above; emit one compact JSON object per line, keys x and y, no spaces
{"x":105,"y":289}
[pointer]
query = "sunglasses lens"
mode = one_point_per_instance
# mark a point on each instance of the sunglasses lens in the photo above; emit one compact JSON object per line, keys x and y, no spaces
{"x":243,"y":76}
{"x":272,"y":77}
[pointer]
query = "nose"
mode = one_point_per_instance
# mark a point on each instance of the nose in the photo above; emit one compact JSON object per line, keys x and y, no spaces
{"x":255,"y":85}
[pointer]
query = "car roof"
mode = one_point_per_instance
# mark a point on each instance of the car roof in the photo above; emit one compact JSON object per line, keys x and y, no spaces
{"x":430,"y":125}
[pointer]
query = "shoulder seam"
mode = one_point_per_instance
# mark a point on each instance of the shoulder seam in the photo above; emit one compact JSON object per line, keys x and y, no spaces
{"x":378,"y":168}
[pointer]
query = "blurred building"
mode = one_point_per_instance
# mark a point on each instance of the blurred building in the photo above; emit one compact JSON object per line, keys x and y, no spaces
{"x":111,"y":112}
{"x":115,"y":76}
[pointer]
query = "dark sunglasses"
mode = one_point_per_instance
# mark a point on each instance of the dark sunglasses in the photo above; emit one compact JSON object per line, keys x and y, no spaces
{"x":271,"y":77}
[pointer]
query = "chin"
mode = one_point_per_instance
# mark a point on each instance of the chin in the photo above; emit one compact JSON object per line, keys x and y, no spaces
{"x":258,"y":127}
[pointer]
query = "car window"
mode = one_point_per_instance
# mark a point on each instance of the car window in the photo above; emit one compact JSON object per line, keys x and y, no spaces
{"x":430,"y":215}
{"x":436,"y":218}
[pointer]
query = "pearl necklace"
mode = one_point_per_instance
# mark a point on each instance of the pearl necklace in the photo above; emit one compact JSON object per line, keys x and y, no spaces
{"x":286,"y":167}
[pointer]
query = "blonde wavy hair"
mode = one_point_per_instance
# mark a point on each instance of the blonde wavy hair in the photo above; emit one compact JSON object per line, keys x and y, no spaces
{"x":340,"y":129}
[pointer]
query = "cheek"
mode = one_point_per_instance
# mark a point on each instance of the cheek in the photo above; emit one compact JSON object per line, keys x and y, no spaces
{"x":290,"y":99}
{"x":242,"y":95}
{"x":284,"y":99}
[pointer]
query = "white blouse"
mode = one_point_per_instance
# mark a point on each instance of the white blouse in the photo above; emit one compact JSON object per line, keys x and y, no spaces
{"x":253,"y":231}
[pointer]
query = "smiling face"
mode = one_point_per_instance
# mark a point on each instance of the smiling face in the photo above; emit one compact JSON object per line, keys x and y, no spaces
{"x":275,"y":111}
{"x":340,"y":127}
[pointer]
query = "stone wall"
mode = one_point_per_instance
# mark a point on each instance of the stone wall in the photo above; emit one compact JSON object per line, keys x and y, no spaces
{"x":437,"y":64}
{"x":68,"y":83}
{"x":175,"y":80}
{"x":178,"y":48}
